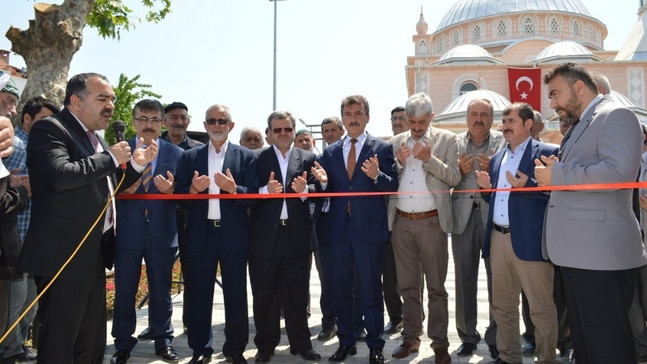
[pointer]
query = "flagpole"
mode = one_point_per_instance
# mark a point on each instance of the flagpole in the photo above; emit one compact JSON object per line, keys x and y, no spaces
{"x":274,"y":60}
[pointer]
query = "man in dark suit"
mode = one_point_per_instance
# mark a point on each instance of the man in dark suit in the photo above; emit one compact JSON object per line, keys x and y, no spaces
{"x":281,"y":245}
{"x":72,"y":174}
{"x":217,"y":233}
{"x":513,"y":239}
{"x":358,"y":163}
{"x":593,"y":235}
{"x":147,"y":230}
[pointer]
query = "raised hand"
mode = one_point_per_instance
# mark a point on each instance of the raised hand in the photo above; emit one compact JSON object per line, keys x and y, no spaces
{"x":225,"y":181}
{"x":514,"y":181}
{"x":371,"y":167}
{"x":465,"y":163}
{"x":319,"y":173}
{"x":300,"y":183}
{"x":164,"y":185}
{"x":422,"y":150}
{"x":403,"y":153}
{"x":199,"y":183}
{"x":274,"y":186}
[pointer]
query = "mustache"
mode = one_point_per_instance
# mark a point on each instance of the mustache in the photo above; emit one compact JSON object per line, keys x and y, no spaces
{"x":148,"y":130}
{"x":479,"y":123}
{"x":106,"y":112}
{"x":353,"y":123}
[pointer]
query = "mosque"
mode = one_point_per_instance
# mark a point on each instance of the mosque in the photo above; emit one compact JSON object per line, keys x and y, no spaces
{"x":501,"y":50}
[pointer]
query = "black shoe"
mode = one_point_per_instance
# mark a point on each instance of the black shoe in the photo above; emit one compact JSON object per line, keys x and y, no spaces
{"x":393,"y":327}
{"x":529,"y":350}
{"x":307,"y":354}
{"x":376,"y":357}
{"x":146,"y":334}
{"x":28,"y":354}
{"x":120,"y":357}
{"x":465,"y":349}
{"x":494,"y":352}
{"x":342,"y":352}
{"x":168,"y":354}
{"x":236,"y":359}
{"x":200,"y":359}
{"x":263,"y":356}
{"x":360,"y":334}
{"x":327,"y":334}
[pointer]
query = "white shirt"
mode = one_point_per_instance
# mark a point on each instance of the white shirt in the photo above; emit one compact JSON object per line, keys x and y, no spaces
{"x":413,"y":181}
{"x":358,"y":147}
{"x":509,"y":162}
{"x":215,"y":161}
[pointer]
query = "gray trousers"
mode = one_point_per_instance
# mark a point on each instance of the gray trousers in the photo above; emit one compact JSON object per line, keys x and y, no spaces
{"x":22,"y":292}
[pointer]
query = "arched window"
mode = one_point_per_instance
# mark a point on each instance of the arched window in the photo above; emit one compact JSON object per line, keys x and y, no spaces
{"x":591,"y":33}
{"x":476,"y":33}
{"x":576,"y":28}
{"x":422,"y":46}
{"x":467,"y":87}
{"x":553,"y":26}
{"x":528,"y":26}
{"x":441,"y":44}
{"x":501,"y":29}
{"x":456,"y":38}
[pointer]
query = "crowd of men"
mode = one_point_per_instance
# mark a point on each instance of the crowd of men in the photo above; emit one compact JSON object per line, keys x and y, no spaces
{"x":575,"y":256}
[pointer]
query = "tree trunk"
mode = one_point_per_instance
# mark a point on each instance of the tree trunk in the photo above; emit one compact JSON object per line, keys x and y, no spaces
{"x":47,"y":47}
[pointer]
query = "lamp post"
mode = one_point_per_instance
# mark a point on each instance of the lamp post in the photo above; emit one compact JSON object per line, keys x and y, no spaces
{"x":274,"y":65}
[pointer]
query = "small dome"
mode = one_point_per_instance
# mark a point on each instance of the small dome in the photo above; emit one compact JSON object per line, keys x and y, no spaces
{"x":457,"y":109}
{"x":467,"y":53}
{"x":422,"y":25}
{"x":563,"y":51}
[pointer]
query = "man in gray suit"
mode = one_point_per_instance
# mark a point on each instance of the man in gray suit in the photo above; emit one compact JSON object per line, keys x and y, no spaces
{"x":427,"y":166}
{"x":593,"y":235}
{"x":475,"y":146}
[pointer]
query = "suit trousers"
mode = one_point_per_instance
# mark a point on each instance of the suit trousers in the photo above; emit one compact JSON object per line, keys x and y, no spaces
{"x":22,"y":292}
{"x":199,"y":282}
{"x":392,"y":298}
{"x":509,"y":276}
{"x":72,"y":315}
{"x":281,"y":279}
{"x":159,"y":270}
{"x":466,"y":250}
{"x":638,"y":312}
{"x":598,"y":313}
{"x":420,"y":246}
{"x":358,"y":269}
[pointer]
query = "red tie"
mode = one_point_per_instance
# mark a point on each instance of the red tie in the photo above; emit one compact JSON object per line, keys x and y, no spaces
{"x":350,"y":164}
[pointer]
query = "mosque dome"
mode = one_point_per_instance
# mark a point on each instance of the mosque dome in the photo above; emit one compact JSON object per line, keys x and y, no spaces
{"x":565,"y":51}
{"x":469,"y":10}
{"x":467,"y":53}
{"x":457,"y":109}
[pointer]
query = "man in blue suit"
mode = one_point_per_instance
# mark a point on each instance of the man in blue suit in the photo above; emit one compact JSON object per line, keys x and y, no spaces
{"x":217,"y":233}
{"x":358,"y":163}
{"x":513,"y":240}
{"x":147,"y":230}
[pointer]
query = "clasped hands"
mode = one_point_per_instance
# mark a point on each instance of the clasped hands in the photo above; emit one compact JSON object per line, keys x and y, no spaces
{"x":421,"y":150}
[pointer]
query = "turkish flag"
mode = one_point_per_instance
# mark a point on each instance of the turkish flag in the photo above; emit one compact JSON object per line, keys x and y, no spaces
{"x":525,"y":86}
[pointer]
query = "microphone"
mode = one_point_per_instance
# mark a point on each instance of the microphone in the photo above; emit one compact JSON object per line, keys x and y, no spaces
{"x":118,"y":127}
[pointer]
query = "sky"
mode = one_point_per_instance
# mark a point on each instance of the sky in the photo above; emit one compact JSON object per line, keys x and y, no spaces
{"x":221,"y":52}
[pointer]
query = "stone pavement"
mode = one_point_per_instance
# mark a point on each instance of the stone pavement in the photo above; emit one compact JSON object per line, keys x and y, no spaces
{"x":144,"y":352}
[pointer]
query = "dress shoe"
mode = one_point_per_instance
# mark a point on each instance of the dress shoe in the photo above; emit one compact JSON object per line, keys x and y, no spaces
{"x":120,"y":357}
{"x":494,"y":352}
{"x":376,"y":357}
{"x":405,"y":349}
{"x":360,"y":334}
{"x":145,"y":335}
{"x":168,"y":354}
{"x":442,"y":356}
{"x":327,"y":333}
{"x":307,"y":354}
{"x":342,"y":352}
{"x":465,"y":349}
{"x":529,"y":350}
{"x":263,"y":356}
{"x":393,"y":327}
{"x":201,"y":359}
{"x":236,"y":359}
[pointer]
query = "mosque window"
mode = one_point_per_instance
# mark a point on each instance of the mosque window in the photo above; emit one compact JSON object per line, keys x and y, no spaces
{"x":553,"y":25}
{"x":576,"y":29}
{"x":422,"y":46}
{"x":528,"y":26}
{"x":441,"y":44}
{"x":456,"y":38}
{"x":501,"y":29}
{"x":591,"y":33}
{"x":477,"y":34}
{"x":467,"y":87}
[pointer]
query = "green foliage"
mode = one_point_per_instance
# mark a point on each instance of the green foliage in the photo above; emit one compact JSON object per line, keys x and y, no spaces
{"x":128,"y":92}
{"x":109,"y":17}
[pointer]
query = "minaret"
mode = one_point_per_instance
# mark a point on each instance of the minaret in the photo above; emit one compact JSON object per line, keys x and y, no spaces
{"x":422,"y":26}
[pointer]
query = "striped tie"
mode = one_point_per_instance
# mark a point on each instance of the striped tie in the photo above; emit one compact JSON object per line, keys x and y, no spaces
{"x":147,"y":176}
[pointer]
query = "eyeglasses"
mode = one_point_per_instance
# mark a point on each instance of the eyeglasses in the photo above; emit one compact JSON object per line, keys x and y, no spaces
{"x":401,"y":118}
{"x":217,"y":121}
{"x":278,"y":130}
{"x":252,"y":139}
{"x":144,"y":119}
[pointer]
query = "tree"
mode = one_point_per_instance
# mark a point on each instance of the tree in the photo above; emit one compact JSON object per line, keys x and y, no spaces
{"x":128,"y":92}
{"x":56,"y":34}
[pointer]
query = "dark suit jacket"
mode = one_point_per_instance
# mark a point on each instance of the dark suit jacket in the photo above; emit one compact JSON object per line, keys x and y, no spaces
{"x":368,"y":213}
{"x":161,"y":216}
{"x":525,"y":209}
{"x":234,"y":218}
{"x":69,"y":189}
{"x":12,"y":201}
{"x":266,"y":213}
